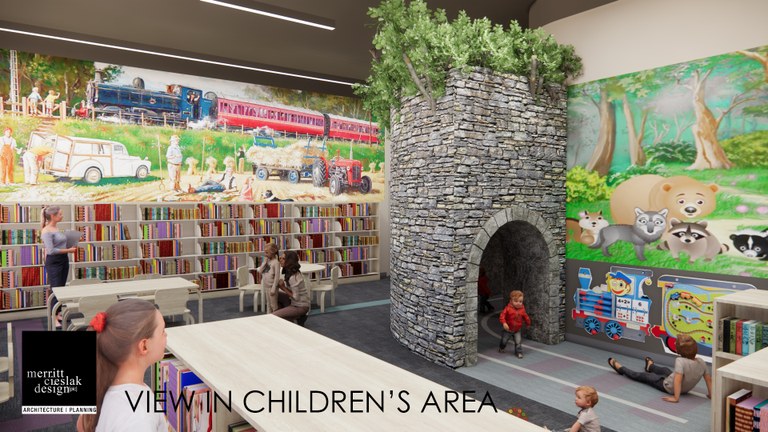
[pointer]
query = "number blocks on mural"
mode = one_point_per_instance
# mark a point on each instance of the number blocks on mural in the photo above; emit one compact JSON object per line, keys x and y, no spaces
{"x":688,"y":307}
{"x":618,"y":308}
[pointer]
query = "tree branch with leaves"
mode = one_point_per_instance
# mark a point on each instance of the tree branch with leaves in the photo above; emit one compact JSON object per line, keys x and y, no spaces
{"x":414,"y":48}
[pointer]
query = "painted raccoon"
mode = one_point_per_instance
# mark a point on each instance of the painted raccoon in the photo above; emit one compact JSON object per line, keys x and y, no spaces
{"x":693,"y":239}
{"x":752,"y":243}
{"x":648,"y":227}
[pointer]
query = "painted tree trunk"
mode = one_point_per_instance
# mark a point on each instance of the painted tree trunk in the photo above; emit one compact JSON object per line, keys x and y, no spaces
{"x":636,"y":152}
{"x":606,"y":139}
{"x":709,"y":154}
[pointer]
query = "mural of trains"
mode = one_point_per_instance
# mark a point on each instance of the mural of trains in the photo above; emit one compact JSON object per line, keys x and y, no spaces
{"x":181,"y":104}
{"x":619,"y":308}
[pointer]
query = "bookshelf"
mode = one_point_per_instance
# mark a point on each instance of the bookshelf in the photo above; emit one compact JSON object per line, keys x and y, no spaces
{"x":202,"y":241}
{"x":731,"y":372}
{"x":22,"y":276}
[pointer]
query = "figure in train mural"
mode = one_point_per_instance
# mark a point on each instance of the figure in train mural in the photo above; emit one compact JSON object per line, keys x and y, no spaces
{"x":108,"y":140}
{"x":617,"y":308}
{"x":668,"y":168}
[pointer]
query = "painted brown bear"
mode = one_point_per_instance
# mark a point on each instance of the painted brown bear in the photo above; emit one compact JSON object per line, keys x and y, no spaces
{"x":684,"y":197}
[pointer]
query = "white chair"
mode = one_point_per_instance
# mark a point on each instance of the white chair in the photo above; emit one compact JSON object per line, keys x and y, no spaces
{"x":6,"y":388}
{"x":172,"y":302}
{"x":330,"y":286}
{"x":71,"y":308}
{"x":89,"y":307}
{"x":245,"y":286}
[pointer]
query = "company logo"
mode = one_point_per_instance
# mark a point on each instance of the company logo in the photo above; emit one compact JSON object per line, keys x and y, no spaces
{"x":63,"y":380}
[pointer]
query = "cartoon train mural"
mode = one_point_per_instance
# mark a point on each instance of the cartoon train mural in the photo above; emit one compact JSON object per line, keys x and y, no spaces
{"x":619,"y":308}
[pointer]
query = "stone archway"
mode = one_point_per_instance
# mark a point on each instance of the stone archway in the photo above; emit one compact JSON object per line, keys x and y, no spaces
{"x":517,"y":249}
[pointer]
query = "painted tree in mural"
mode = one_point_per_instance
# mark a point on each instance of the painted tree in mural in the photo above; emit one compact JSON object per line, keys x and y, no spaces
{"x":761,"y":55}
{"x":64,"y":75}
{"x":606,"y":138}
{"x":709,"y":152}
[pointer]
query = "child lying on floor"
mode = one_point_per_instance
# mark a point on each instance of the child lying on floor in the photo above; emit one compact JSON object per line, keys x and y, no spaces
{"x":688,"y":371}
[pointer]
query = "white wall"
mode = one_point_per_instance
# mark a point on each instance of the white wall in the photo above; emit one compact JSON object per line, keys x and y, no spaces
{"x":633,"y":35}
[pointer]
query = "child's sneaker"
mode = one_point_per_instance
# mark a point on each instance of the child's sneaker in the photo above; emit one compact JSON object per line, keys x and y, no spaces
{"x":519,"y":355}
{"x":501,"y":350}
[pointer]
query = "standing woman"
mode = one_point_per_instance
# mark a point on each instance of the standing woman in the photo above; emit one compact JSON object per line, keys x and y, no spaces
{"x":130,"y":338}
{"x":270,"y":276}
{"x":293,"y":288}
{"x":55,"y":241}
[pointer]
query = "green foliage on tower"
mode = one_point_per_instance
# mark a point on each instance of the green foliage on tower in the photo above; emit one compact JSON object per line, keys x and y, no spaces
{"x":415,"y":47}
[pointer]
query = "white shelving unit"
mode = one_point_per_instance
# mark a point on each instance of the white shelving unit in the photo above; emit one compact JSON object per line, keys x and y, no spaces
{"x":731,"y":372}
{"x":203,"y":241}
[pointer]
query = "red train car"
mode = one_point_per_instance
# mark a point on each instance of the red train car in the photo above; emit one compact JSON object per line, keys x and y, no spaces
{"x":235,"y":113}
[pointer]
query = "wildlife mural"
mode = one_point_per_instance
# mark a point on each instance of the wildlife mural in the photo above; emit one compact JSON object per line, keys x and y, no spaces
{"x":667,"y":193}
{"x":687,"y":140}
{"x":82,"y":131}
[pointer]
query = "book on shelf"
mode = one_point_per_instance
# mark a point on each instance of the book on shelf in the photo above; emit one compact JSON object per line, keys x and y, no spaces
{"x":758,"y":414}
{"x":200,"y":416}
{"x":764,"y":418}
{"x":242,"y":426}
{"x":744,"y":414}
{"x":179,"y":377}
{"x":731,"y":401}
{"x":752,"y":337}
{"x":724,"y":333}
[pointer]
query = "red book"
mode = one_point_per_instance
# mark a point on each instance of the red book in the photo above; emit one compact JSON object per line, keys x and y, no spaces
{"x":739,"y":334}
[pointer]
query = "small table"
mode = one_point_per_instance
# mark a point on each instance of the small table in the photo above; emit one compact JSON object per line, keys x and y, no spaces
{"x":122,"y":288}
{"x":311,"y":270}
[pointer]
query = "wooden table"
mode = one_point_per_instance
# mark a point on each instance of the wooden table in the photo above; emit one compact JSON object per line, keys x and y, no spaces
{"x":267,"y":354}
{"x":122,"y":288}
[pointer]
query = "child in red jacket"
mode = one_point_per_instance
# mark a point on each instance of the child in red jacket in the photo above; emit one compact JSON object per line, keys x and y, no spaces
{"x":512,"y":319}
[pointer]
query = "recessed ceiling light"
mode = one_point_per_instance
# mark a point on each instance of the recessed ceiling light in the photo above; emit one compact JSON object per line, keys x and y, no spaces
{"x":170,"y":55}
{"x":275,"y":12}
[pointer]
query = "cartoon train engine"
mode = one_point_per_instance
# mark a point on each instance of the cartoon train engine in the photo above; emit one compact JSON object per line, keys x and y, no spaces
{"x":619,"y":308}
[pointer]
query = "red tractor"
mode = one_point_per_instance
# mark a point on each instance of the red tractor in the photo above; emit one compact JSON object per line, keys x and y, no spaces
{"x":340,"y":175}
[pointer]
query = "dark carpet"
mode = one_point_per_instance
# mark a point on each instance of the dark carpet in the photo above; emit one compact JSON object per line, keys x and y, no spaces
{"x":354,"y":322}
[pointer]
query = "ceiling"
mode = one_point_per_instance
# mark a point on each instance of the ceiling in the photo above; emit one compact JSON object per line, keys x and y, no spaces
{"x":196,"y":29}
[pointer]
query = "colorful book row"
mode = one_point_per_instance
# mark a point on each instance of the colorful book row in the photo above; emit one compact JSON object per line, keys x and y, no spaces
{"x":30,"y":277}
{"x":168,"y":213}
{"x":160,"y":230}
{"x":113,"y":252}
{"x":165,"y":267}
{"x":349,"y":224}
{"x":99,"y":232}
{"x":22,"y":298}
{"x":97,"y":212}
{"x":17,"y":213}
{"x":222,"y":247}
{"x":222,"y":229}
{"x":220,"y":211}
{"x":19,"y":236}
{"x":741,"y":336}
{"x":219,"y":263}
{"x":106,"y":273}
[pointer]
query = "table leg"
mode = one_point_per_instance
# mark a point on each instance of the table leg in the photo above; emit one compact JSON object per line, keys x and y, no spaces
{"x":200,"y":304}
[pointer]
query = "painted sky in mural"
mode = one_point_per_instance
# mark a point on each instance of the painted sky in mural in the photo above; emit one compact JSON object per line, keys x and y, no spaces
{"x":668,"y":168}
{"x":88,"y":131}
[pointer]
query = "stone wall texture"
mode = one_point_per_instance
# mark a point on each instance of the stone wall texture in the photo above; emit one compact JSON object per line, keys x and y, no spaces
{"x":482,"y":180}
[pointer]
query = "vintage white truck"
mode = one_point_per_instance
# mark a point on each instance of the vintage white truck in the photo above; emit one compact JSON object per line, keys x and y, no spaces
{"x":88,"y":158}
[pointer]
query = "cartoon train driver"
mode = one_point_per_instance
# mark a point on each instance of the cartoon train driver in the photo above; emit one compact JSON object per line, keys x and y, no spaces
{"x":618,"y":283}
